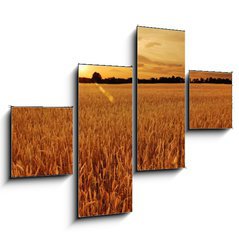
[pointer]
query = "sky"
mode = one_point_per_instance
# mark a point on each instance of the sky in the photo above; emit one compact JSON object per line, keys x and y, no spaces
{"x":105,"y":71}
{"x":205,"y":74}
{"x":161,"y":53}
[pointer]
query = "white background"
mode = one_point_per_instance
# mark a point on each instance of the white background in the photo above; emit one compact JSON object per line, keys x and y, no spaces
{"x":41,"y":43}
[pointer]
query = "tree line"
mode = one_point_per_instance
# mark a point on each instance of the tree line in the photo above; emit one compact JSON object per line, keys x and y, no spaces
{"x":172,"y":79}
{"x":211,"y":80}
{"x":97,"y":78}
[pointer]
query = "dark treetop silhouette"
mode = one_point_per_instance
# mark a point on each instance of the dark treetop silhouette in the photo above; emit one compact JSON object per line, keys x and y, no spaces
{"x":211,"y":80}
{"x":97,"y":78}
{"x":172,"y":79}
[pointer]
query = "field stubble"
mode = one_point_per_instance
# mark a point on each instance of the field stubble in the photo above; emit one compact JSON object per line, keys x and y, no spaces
{"x":161,"y":126}
{"x":210,"y":106}
{"x":41,"y":141}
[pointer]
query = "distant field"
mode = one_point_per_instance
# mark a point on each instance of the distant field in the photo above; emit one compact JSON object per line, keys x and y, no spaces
{"x":210,"y":106}
{"x":105,"y":149}
{"x":41,"y":141}
{"x":161,"y":126}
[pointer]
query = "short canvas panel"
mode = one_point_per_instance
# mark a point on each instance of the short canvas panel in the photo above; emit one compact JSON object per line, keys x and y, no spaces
{"x":41,"y":141}
{"x":105,"y":140}
{"x":161,"y":97}
{"x":210,"y":100}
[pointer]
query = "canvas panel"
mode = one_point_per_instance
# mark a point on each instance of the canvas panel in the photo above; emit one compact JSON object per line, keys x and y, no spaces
{"x":41,"y":140}
{"x":210,"y":100}
{"x":161,"y":97}
{"x":104,"y":140}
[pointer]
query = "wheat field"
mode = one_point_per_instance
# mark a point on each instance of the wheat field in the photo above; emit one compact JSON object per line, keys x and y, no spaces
{"x":105,"y":149}
{"x":210,"y":106}
{"x":41,"y":141}
{"x":161,"y":127}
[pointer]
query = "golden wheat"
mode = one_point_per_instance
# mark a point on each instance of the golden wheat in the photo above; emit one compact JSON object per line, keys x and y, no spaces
{"x":161,"y":127}
{"x":105,"y":167}
{"x":41,"y":141}
{"x":210,"y":106}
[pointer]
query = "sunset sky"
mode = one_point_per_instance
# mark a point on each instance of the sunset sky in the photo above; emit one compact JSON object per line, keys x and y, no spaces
{"x":161,"y":53}
{"x":105,"y":71}
{"x":202,"y":74}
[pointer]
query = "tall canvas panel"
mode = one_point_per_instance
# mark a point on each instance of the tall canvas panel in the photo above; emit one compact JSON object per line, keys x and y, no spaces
{"x":160,"y":98}
{"x":210,"y":100}
{"x":104,"y":140}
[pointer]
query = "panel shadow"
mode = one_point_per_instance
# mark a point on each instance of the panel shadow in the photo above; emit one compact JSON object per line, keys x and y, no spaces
{"x":74,"y":195}
{"x":7,"y":137}
{"x":100,"y":218}
{"x":133,"y":42}
{"x":187,"y":98}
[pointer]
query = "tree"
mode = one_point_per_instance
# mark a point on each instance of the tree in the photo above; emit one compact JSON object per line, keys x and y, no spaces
{"x":96,"y":77}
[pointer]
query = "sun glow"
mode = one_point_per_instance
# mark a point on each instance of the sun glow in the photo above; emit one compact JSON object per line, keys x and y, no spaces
{"x":86,"y":71}
{"x":82,"y":69}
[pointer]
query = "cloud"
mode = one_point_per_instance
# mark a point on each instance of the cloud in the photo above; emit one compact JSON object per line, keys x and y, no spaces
{"x":153,"y":44}
{"x":144,"y":60}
